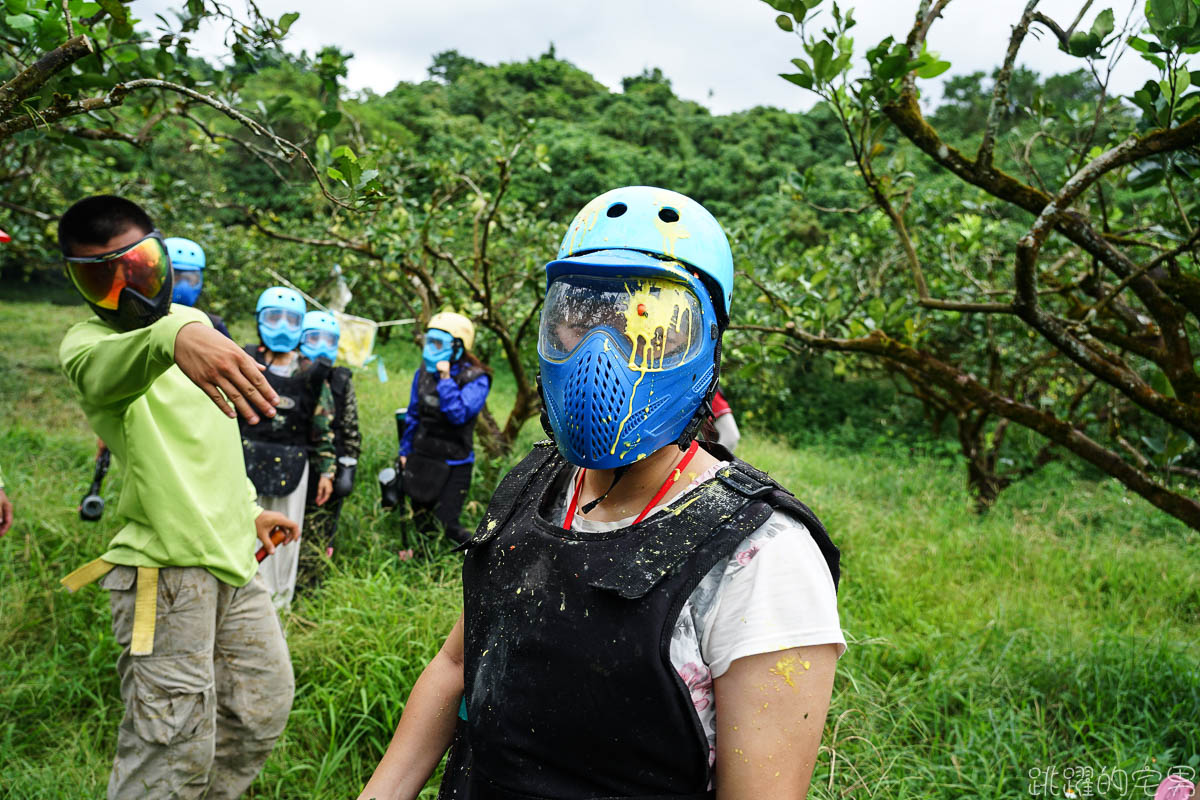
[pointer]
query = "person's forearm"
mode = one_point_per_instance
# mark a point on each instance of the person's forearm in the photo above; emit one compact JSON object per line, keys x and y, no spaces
{"x":117,"y":368}
{"x":423,"y":735}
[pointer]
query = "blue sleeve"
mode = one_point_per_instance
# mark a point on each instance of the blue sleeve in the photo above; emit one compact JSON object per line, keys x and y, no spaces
{"x":410,"y":420}
{"x":460,"y":405}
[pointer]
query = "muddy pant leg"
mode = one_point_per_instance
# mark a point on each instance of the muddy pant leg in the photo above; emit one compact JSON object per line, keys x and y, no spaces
{"x":254,"y":685}
{"x":166,"y":739}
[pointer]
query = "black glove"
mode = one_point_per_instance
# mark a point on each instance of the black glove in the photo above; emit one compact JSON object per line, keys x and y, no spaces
{"x":343,"y":481}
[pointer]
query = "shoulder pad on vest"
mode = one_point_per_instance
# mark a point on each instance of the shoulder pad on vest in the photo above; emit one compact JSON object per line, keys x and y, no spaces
{"x":510,"y":489}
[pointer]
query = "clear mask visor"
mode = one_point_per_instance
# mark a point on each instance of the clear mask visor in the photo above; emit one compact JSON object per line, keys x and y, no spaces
{"x":655,"y":323}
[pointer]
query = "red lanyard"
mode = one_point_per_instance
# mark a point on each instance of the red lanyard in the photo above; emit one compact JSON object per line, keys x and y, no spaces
{"x":667,"y":484}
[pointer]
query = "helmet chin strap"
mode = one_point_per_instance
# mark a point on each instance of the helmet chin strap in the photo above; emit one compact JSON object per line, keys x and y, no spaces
{"x":618,"y":473}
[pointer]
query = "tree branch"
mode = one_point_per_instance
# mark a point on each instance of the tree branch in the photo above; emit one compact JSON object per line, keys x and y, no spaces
{"x":983,"y":159}
{"x":117,"y":95}
{"x":33,"y":77}
{"x":1056,"y":430}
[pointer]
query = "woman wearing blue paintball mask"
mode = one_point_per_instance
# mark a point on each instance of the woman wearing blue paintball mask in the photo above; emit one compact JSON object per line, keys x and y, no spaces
{"x":278,"y":455}
{"x":437,"y":454}
{"x":632,"y":598}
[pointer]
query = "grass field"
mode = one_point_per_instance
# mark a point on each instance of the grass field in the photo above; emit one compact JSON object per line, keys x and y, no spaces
{"x":1059,"y":631}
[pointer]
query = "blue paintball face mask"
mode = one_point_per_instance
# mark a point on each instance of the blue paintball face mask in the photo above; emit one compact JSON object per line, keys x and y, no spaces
{"x":439,"y":346}
{"x":279,"y":329}
{"x":188,"y":283}
{"x":626,"y":360}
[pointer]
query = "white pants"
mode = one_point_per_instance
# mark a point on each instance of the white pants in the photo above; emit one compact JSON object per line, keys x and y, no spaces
{"x":279,"y":570}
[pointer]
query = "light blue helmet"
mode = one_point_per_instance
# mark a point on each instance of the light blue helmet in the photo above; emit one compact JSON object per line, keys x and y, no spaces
{"x":280,"y":313}
{"x":630,"y":330}
{"x":659,"y":222}
{"x":319,"y":338}
{"x":187,"y":258}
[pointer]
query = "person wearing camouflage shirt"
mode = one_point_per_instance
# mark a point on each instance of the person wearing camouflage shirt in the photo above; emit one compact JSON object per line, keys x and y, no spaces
{"x":321,"y":522}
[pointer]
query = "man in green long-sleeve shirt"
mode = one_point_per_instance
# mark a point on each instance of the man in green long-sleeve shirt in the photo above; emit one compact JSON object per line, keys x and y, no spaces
{"x":205,"y":674}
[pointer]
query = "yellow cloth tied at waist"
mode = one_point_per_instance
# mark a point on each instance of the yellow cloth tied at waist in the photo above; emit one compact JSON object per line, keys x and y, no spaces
{"x":145,"y":607}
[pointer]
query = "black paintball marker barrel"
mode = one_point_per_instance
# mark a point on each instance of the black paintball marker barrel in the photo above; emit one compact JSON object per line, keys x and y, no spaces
{"x":91,"y":507}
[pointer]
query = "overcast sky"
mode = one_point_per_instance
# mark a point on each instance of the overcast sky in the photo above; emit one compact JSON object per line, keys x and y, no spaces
{"x":724,"y":53}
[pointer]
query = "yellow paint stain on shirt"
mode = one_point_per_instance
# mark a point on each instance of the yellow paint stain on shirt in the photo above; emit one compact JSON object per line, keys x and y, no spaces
{"x":788,"y":666}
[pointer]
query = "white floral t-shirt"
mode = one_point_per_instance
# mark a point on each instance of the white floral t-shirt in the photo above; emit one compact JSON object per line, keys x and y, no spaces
{"x":775,"y":592}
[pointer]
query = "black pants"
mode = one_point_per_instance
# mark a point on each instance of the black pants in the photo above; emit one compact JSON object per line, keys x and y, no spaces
{"x":316,"y":542}
{"x":444,"y":511}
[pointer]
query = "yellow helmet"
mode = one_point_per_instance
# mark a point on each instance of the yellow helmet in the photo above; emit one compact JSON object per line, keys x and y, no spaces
{"x":456,"y":325}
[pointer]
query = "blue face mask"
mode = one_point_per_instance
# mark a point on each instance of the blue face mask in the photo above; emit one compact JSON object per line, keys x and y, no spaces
{"x":439,"y":346}
{"x":279,"y":329}
{"x":188,"y":283}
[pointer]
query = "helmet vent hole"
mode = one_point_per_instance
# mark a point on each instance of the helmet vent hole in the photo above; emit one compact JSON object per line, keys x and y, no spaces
{"x":617,"y":209}
{"x":668,"y":215}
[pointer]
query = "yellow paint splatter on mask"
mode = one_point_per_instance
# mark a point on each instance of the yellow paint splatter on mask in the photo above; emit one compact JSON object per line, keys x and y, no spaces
{"x":654,"y":308}
{"x":788,"y":666}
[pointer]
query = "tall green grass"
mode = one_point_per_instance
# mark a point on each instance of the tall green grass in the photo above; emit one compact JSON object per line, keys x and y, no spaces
{"x":1058,"y":630}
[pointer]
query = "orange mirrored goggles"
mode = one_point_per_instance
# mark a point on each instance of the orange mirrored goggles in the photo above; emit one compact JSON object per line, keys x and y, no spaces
{"x":142,"y":266}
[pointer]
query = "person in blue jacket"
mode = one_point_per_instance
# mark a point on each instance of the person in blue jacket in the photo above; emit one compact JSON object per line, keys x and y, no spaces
{"x":437,"y":452}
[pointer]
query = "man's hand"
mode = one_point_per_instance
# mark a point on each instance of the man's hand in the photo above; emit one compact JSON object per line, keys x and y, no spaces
{"x":216,"y":365}
{"x":324,"y":489}
{"x":6,"y":513}
{"x":268,"y":521}
{"x":443,"y":368}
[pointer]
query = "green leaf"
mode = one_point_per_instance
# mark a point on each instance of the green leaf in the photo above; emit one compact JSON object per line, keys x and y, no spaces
{"x":20,"y":22}
{"x":335,"y":174}
{"x":287,"y":20}
{"x":164,"y":62}
{"x":800,"y":79}
{"x":16,"y":6}
{"x":120,"y":17}
{"x":123,"y":55}
{"x":933,"y":69}
{"x":328,"y":121}
{"x":323,"y":143}
{"x":1103,"y":25}
{"x":1146,"y":178}
{"x":342,"y":151}
{"x":784,"y":22}
{"x":822,"y":58}
{"x":1083,"y":45}
{"x":1161,"y":13}
{"x":89,"y":9}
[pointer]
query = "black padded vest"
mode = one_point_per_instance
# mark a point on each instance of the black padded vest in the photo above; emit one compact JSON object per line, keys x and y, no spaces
{"x":276,"y":449}
{"x":436,"y":437}
{"x":570,"y":692}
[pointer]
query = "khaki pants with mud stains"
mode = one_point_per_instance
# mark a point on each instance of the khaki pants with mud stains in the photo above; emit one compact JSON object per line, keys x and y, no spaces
{"x":203,"y":711}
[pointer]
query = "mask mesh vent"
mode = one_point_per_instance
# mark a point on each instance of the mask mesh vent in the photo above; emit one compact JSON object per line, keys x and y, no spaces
{"x":641,"y":414}
{"x":593,"y":403}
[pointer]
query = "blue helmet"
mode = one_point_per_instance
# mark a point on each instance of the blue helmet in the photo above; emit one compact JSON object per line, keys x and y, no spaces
{"x":320,"y":336}
{"x":280,"y":313}
{"x":187,"y":259}
{"x":630,"y":333}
